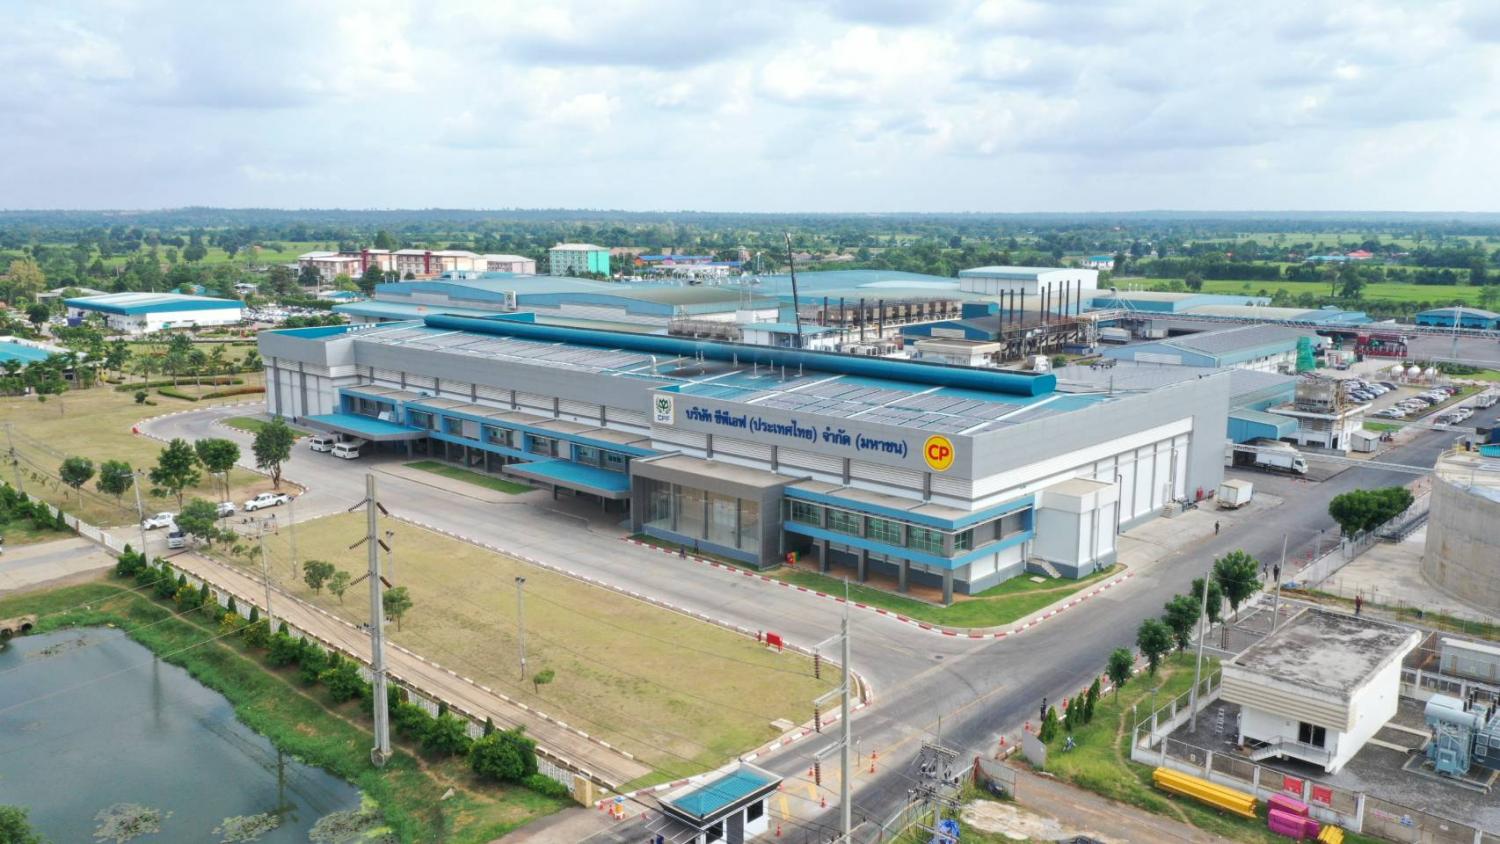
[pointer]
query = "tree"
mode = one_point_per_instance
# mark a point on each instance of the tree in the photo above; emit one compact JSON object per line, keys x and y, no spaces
{"x":75,"y":472}
{"x":1154,"y":639}
{"x":372,"y":276}
{"x":197,"y":519}
{"x":116,"y":478}
{"x":396,"y":602}
{"x":1118,"y":669}
{"x":385,"y":240}
{"x":273,"y":447}
{"x":1181,"y":614}
{"x":338,"y":584}
{"x":176,"y":468}
{"x":1193,"y":280}
{"x":1238,"y":574}
{"x":218,"y":456}
{"x":1215,"y":598}
{"x":38,"y":314}
{"x":542,"y":678}
{"x":316,"y":573}
{"x":24,"y":279}
{"x":1366,"y":509}
{"x":15,"y":828}
{"x":447,"y":735}
{"x":505,"y":756}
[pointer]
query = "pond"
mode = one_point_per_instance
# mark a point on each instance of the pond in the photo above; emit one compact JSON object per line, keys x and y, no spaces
{"x":89,"y":719}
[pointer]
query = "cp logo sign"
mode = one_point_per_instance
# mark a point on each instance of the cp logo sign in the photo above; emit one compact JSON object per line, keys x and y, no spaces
{"x":938,"y":451}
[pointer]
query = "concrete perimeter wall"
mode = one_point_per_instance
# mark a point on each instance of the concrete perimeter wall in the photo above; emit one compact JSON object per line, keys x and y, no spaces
{"x":1462,"y":556}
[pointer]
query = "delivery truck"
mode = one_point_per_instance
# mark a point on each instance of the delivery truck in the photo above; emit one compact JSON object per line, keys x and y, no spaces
{"x":1280,"y":457}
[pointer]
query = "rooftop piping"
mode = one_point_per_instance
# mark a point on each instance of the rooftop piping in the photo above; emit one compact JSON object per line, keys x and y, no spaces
{"x":917,"y":372}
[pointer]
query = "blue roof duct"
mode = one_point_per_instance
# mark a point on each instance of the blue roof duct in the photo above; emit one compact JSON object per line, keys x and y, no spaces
{"x":919,"y":372}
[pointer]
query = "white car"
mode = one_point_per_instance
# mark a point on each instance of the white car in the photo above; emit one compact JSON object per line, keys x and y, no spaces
{"x":321,"y":442}
{"x":160,"y":520}
{"x":266,"y":499}
{"x":226,"y":508}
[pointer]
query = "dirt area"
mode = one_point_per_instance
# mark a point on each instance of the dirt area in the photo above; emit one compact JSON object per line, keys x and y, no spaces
{"x":1016,"y":823}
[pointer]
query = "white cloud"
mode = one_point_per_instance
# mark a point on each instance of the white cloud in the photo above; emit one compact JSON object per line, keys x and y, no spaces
{"x":835,"y":105}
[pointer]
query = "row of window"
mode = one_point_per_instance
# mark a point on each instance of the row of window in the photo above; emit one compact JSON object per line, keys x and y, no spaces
{"x":897,"y":533}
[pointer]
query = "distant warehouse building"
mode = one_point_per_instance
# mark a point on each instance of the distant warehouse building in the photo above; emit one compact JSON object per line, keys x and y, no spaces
{"x":1268,"y":348}
{"x":917,"y":475}
{"x":1465,"y":317}
{"x":142,"y":313}
{"x":577,"y":259}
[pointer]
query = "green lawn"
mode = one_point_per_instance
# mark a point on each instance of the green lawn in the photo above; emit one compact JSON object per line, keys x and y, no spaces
{"x":298,"y":720}
{"x":681,"y":694}
{"x":477,"y":478}
{"x":1382,"y":426}
{"x":1482,"y":375}
{"x":1014,"y":599}
{"x":1382,"y":291}
{"x":251,"y":425}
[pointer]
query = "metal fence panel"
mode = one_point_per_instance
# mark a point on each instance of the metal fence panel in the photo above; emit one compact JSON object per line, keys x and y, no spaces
{"x":1242,"y":770}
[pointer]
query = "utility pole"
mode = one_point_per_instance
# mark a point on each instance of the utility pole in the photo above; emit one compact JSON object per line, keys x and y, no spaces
{"x":1276,"y":602}
{"x":1198,"y":663}
{"x":381,"y":752}
{"x":937,"y":783}
{"x":845,"y":743}
{"x":291,"y":520}
{"x":265,"y":575}
{"x":521,"y":621}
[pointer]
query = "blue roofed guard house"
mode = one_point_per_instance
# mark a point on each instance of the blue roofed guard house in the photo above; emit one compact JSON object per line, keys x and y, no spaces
{"x":729,"y":808}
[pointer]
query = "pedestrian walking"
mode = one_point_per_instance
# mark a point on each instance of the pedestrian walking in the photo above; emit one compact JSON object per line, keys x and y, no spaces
{"x":1359,"y":604}
{"x":1216,"y":528}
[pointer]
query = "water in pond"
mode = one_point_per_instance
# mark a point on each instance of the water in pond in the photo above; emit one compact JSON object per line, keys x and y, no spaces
{"x":117,"y":726}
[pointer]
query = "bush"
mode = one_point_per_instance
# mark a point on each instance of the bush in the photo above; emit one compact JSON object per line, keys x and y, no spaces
{"x":507,"y":756}
{"x":543,"y":784}
{"x":258,"y":633}
{"x":284,"y":650}
{"x":447,"y":735}
{"x":411,"y":720}
{"x":314,"y":661}
{"x":343,"y":681}
{"x":216,"y":381}
{"x":173,"y":393}
{"x":234,"y":391}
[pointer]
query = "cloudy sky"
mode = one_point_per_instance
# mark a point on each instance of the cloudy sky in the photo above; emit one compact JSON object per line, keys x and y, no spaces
{"x":838,"y":105}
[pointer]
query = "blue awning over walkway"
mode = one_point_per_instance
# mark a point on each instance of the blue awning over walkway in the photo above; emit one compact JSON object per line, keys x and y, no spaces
{"x":364,"y":427}
{"x":565,"y":473}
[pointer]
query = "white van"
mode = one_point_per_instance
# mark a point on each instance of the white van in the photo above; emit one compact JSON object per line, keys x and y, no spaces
{"x":348,"y":449}
{"x":321,"y":442}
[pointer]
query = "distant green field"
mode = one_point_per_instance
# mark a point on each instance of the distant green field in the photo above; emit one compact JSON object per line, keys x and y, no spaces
{"x":1384,"y":291}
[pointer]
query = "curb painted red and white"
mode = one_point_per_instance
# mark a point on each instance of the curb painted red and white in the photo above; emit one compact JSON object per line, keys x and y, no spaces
{"x":957,"y":632}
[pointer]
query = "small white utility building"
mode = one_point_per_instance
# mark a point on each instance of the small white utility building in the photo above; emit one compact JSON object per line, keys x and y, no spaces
{"x":1319,"y":687}
{"x":1059,"y":289}
{"x":142,"y":313}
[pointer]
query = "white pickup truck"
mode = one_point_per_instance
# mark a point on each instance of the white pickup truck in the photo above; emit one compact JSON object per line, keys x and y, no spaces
{"x":266,"y":499}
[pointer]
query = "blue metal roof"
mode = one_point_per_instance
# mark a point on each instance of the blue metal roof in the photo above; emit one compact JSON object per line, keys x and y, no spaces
{"x":132,"y":304}
{"x":367,"y":427}
{"x":787,"y":327}
{"x":704,"y":801}
{"x":574,"y":476}
{"x":403,"y":310}
{"x":11,"y":350}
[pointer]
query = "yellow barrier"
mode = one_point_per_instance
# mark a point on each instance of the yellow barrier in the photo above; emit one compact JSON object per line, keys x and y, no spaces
{"x":1217,"y":796}
{"x":1331,"y":834}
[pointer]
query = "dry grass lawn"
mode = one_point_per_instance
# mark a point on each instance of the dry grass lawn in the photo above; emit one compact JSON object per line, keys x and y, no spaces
{"x":96,"y":423}
{"x":680,"y":694}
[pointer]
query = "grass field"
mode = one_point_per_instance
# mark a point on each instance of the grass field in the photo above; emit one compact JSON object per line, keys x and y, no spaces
{"x":1383,"y":291}
{"x":96,"y":423}
{"x":477,"y":478}
{"x":681,"y":694}
{"x":301,"y":721}
{"x":252,"y":425}
{"x":1014,"y":599}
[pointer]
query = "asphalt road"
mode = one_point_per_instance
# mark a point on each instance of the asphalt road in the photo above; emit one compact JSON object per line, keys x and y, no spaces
{"x":973,"y":690}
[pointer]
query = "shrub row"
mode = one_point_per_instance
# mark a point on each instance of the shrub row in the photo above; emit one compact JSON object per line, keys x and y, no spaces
{"x":18,"y":506}
{"x":215,"y":381}
{"x":234,"y":391}
{"x":173,"y":393}
{"x":500,"y":755}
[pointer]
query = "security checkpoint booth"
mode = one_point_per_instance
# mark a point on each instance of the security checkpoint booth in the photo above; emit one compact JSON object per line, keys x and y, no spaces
{"x":730,"y":808}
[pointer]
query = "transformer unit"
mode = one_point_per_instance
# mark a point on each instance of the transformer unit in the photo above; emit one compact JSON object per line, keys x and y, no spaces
{"x":1463,"y":735}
